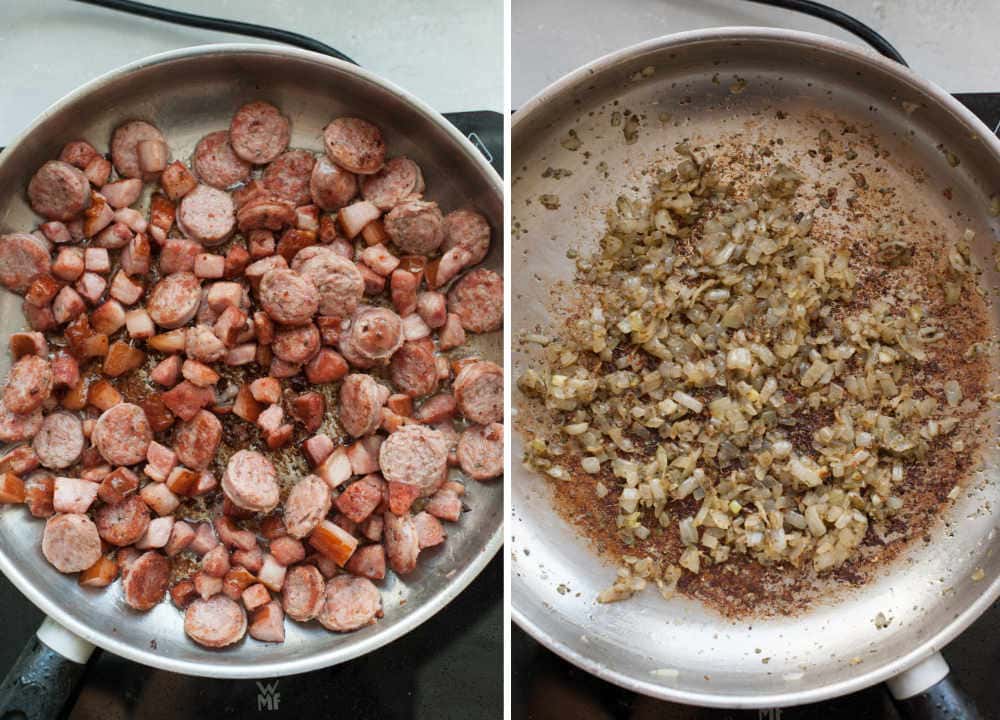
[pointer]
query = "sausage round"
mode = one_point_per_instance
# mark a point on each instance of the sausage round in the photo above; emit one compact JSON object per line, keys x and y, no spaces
{"x":302,"y":594}
{"x":197,"y":440}
{"x":296,"y":345}
{"x":416,"y":227}
{"x":307,"y":504}
{"x":22,"y":258}
{"x":289,"y":175}
{"x":402,"y":543}
{"x":70,"y":542}
{"x":477,"y":299}
{"x":398,"y":181}
{"x":361,"y":401}
{"x":174,"y":300}
{"x":287,"y":297}
{"x":124,"y":147}
{"x":216,"y":164}
{"x":478,"y":390}
{"x":59,"y":442}
{"x":331,"y":186}
{"x":207,"y":214}
{"x":415,"y":455}
{"x":251,"y":482}
{"x":265,"y":212}
{"x":349,"y":603}
{"x":413,"y":369}
{"x":374,"y":335}
{"x":468,"y":230}
{"x":29,"y":384}
{"x":122,"y":434}
{"x":337,"y":280}
{"x":355,"y":144}
{"x":259,"y":132}
{"x":59,"y":191}
{"x":480,"y":451}
{"x":146,"y":581}
{"x":123,"y":523}
{"x":216,"y":622}
{"x":15,"y":427}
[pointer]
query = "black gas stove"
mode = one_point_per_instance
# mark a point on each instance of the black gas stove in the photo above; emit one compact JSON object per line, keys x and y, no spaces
{"x":546,"y":687}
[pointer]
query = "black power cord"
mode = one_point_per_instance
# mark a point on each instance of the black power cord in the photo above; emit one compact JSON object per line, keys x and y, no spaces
{"x":230,"y":26}
{"x":841,"y":19}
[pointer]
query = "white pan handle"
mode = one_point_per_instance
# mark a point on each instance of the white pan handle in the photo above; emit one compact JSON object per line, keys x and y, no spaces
{"x":45,"y":675}
{"x":927,"y":692}
{"x":922,"y":676}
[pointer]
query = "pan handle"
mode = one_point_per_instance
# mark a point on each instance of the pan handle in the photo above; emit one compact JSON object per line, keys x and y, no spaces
{"x":927,"y":692}
{"x":45,"y":675}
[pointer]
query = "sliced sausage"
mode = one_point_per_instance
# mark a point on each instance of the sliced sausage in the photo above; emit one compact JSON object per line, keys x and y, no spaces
{"x":413,"y":369}
{"x":477,"y":299}
{"x":416,"y":227}
{"x":216,"y":622}
{"x":468,"y":230}
{"x":265,"y":212}
{"x":217,"y":164}
{"x":289,"y":175}
{"x":374,"y":335}
{"x":308,"y":503}
{"x":251,"y":482}
{"x":29,"y":384}
{"x":400,"y":180}
{"x":207,"y":214}
{"x":480,"y":451}
{"x":15,"y":427}
{"x":337,"y":280}
{"x":78,"y":153}
{"x":59,"y":442}
{"x":355,"y":145}
{"x":331,"y":186}
{"x":70,"y":542}
{"x":402,"y":543}
{"x":361,"y":401}
{"x":349,"y":603}
{"x":289,"y":298}
{"x":296,"y":345}
{"x":174,"y":300}
{"x":123,"y":523}
{"x":59,"y":191}
{"x":122,"y":434}
{"x":22,"y":257}
{"x":302,"y":594}
{"x":146,"y":581}
{"x":125,"y":151}
{"x":478,"y":390}
{"x":415,"y":455}
{"x":259,"y":132}
{"x":197,"y":440}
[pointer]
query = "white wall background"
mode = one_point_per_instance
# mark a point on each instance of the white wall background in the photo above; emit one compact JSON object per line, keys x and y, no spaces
{"x":951,"y":42}
{"x":448,"y":53}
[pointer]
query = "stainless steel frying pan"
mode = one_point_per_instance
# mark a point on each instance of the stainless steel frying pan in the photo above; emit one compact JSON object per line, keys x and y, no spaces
{"x":187,"y":94}
{"x":679,"y":650}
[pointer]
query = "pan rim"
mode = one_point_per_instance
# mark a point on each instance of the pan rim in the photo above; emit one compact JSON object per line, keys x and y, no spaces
{"x":260,"y":667}
{"x":989,"y":594}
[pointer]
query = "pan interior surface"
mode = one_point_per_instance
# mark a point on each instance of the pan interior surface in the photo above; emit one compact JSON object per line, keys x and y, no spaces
{"x":699,"y":87}
{"x":188,"y":94}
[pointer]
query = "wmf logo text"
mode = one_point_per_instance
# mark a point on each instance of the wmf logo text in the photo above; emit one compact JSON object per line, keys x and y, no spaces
{"x":268,"y":697}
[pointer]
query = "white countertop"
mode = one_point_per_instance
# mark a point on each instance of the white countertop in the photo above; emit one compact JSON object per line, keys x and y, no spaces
{"x":449,"y":54}
{"x":951,"y":42}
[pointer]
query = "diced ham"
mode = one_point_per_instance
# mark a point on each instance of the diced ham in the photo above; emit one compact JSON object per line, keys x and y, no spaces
{"x":73,"y":495}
